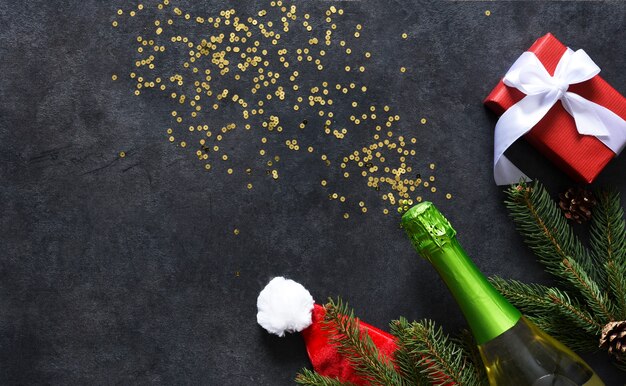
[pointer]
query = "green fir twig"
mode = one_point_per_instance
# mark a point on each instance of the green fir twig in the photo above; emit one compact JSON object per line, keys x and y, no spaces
{"x":438,"y":358}
{"x":608,"y":246}
{"x":594,"y":279}
{"x":311,"y":378}
{"x":357,"y":346}
{"x":545,"y":229}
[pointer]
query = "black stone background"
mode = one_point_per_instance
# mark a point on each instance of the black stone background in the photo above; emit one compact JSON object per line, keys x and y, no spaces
{"x":123,"y":271}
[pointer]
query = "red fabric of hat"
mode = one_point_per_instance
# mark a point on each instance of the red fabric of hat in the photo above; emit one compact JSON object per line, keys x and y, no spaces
{"x":286,"y":306}
{"x":325,"y":358}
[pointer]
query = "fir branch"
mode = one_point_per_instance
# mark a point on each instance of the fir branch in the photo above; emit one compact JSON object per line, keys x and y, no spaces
{"x":540,"y":301}
{"x":357,"y":346}
{"x":567,"y":333}
{"x":544,"y":229}
{"x":598,"y":301}
{"x":616,"y":277}
{"x":438,"y":358}
{"x":552,"y":311}
{"x":573,"y":311}
{"x":608,"y":245}
{"x":310,"y":378}
{"x":468,"y":343}
{"x":528,"y":298}
{"x":404,"y":358}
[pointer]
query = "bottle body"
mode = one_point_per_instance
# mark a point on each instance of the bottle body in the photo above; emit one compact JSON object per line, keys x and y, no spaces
{"x":514,"y":350}
{"x":525,"y":355}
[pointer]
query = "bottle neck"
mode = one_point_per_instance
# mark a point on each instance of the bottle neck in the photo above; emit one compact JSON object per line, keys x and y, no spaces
{"x":487,"y":312}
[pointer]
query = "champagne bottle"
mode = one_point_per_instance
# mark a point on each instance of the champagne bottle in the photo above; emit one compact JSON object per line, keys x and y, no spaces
{"x":514,"y":350}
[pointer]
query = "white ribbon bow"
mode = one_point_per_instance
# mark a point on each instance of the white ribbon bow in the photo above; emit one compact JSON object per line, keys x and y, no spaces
{"x":542,"y":91}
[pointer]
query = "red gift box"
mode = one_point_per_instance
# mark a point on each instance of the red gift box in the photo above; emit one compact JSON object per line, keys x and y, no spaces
{"x":581,"y":156}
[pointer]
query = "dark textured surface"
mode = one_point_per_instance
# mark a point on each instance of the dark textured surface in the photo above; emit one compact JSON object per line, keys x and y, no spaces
{"x":120,"y":271}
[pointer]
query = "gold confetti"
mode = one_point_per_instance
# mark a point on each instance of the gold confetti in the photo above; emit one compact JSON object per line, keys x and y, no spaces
{"x":236,"y":231}
{"x":487,"y":13}
{"x":266,"y":74}
{"x":122,"y":154}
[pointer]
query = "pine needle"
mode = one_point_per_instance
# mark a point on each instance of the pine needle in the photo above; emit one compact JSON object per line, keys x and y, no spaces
{"x":405,"y":359}
{"x":598,"y":301}
{"x":545,"y":229}
{"x":608,"y":246}
{"x":528,"y":298}
{"x":440,"y":359}
{"x":310,"y":378}
{"x":358,"y":347}
{"x":552,"y":310}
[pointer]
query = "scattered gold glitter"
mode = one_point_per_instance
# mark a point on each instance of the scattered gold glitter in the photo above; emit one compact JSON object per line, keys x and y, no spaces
{"x":122,"y":154}
{"x":346,"y":215}
{"x":236,"y":231}
{"x":487,"y":13}
{"x":266,"y":75}
{"x":423,"y":121}
{"x":448,"y":196}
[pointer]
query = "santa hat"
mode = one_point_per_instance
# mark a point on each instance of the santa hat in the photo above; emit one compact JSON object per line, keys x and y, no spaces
{"x":286,"y":306}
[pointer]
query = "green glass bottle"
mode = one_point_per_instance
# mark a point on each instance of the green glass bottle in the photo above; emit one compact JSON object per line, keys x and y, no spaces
{"x":514,"y":350}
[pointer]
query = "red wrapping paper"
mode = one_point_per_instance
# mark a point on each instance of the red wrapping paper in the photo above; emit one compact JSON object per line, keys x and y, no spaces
{"x":582,"y":157}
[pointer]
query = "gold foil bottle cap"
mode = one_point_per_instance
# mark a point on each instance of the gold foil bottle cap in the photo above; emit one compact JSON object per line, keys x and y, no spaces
{"x":427,"y":228}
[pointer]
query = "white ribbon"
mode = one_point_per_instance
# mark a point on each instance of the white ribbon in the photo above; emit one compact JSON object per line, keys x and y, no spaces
{"x":542,"y":91}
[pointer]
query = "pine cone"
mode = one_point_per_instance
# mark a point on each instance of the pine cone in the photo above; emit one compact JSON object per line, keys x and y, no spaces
{"x":576,"y":204}
{"x":613,"y":339}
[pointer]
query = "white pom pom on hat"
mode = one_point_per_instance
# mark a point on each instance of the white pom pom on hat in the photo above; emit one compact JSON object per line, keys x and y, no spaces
{"x":284,"y":306}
